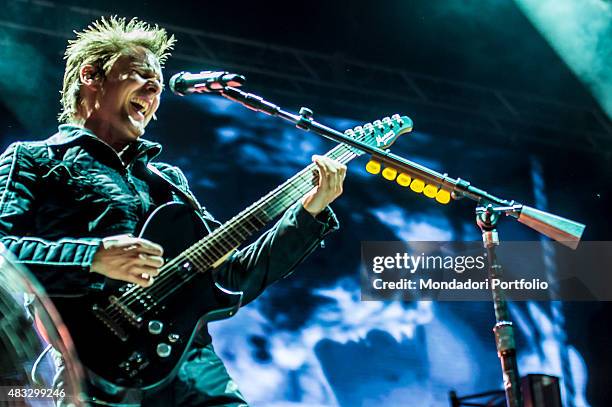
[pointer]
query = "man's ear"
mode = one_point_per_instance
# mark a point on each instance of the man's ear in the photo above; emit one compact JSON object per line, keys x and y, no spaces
{"x":89,"y":76}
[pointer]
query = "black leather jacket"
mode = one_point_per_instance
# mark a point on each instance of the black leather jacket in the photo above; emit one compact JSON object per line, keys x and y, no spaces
{"x":59,"y":197}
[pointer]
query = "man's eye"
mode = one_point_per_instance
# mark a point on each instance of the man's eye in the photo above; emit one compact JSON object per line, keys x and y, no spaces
{"x":145,"y":75}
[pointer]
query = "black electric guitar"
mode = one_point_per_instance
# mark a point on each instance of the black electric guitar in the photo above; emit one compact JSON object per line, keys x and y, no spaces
{"x":133,"y":337}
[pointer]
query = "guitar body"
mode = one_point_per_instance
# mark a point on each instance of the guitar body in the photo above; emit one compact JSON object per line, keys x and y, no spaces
{"x":141,"y":342}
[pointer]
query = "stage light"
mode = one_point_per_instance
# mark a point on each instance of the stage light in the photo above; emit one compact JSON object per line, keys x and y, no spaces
{"x":579,"y":32}
{"x":443,"y":196}
{"x":403,"y":179}
{"x":389,"y":173}
{"x":373,"y":167}
{"x":417,"y":185}
{"x":430,"y":191}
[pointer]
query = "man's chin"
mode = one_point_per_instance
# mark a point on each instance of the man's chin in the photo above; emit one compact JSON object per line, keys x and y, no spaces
{"x":136,"y":129}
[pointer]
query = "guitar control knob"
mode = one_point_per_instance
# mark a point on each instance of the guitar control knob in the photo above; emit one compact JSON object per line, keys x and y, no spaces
{"x":155,"y":327}
{"x":174,"y":337}
{"x":163,"y":350}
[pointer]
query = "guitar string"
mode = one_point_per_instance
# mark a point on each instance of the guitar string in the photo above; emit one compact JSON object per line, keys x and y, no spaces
{"x":200,"y":251}
{"x":236,"y":220}
{"x":173,"y":287}
{"x":197,"y":254}
{"x":137,"y":292}
{"x":305,"y":178}
{"x":296,"y":195}
{"x":213,"y":240}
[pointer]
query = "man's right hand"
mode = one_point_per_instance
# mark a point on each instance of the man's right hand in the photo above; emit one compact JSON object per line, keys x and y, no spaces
{"x":128,"y":258}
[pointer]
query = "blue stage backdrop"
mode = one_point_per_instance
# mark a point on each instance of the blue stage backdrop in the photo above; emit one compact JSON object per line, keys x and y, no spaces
{"x":309,"y":340}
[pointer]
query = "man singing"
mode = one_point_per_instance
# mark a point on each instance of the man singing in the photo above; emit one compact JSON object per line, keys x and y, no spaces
{"x":69,"y":205}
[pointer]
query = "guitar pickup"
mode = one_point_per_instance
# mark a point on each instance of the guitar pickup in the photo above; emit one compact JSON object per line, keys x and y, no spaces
{"x":109,"y":322}
{"x":125,"y":311}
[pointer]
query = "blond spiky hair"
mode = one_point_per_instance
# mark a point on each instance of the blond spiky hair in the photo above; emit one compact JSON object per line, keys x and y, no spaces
{"x":101,"y":44}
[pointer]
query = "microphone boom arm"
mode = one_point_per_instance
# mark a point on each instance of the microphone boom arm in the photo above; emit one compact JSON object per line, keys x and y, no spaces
{"x":565,"y":231}
{"x":490,"y":207}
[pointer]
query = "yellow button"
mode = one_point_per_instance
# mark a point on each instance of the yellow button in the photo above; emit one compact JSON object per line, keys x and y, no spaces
{"x":403,"y":179}
{"x":373,"y":167}
{"x":443,"y":196}
{"x":389,"y":173}
{"x":430,"y":191}
{"x":417,"y":185}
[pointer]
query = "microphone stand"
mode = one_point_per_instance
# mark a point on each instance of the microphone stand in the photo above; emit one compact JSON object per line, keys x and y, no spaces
{"x":486,"y":219}
{"x":488,"y":211}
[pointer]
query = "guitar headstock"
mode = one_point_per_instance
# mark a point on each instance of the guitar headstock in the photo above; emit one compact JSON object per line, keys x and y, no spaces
{"x":381,"y":133}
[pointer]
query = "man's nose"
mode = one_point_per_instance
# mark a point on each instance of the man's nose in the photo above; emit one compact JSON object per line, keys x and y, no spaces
{"x":153,"y":86}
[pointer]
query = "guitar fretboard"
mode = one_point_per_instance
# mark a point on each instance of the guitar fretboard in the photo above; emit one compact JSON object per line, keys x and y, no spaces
{"x":238,"y":229}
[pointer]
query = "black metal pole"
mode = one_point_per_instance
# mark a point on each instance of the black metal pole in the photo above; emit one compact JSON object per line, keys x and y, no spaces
{"x":486,"y":218}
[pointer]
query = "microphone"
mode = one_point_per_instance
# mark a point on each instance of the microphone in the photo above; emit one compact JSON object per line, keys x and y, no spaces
{"x":185,"y":83}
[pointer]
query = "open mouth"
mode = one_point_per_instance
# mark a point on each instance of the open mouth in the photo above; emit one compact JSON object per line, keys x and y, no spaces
{"x":140,"y":107}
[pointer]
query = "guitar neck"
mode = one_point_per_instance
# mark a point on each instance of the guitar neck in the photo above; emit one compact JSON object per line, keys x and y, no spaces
{"x":214,"y":247}
{"x":238,"y":229}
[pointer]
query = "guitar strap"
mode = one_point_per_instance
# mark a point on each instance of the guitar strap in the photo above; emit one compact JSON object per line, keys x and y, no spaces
{"x":189,"y":198}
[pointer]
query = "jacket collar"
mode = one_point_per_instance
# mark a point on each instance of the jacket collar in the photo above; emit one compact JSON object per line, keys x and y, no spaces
{"x":69,"y":133}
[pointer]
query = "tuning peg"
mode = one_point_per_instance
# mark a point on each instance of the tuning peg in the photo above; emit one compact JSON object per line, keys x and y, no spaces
{"x":398,"y":119}
{"x":387,"y":121}
{"x":349,"y":133}
{"x":358,"y":129}
{"x":378,"y":124}
{"x":368,"y":128}
{"x":373,"y":167}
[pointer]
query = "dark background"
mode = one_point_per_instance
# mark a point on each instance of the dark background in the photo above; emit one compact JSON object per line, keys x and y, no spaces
{"x":492,"y":103}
